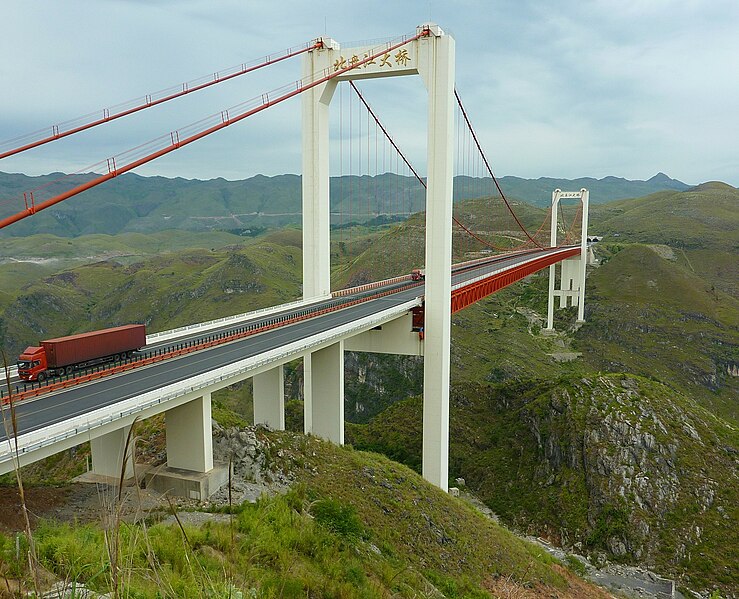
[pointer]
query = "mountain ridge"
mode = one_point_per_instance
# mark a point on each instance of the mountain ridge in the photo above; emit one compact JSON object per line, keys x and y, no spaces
{"x":134,"y":203}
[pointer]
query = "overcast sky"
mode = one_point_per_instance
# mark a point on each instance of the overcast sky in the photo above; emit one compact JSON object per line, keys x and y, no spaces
{"x":564,"y":89}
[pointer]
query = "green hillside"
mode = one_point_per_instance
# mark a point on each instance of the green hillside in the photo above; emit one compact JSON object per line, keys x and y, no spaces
{"x":649,"y":310}
{"x":650,"y":316}
{"x":607,"y":463}
{"x":351,"y":525}
{"x":661,"y":322}
{"x":165,"y":291}
{"x":706,"y":216}
{"x":700,"y":226}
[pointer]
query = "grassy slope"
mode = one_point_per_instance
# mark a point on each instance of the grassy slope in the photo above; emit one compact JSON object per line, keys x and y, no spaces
{"x":354,"y":525}
{"x":649,"y":316}
{"x":615,"y":463}
{"x":704,"y":216}
{"x":171,"y":290}
{"x":701,"y":225}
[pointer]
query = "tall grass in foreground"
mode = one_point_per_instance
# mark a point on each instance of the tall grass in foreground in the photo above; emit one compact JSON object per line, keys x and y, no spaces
{"x":287,"y":546}
{"x":10,"y":425}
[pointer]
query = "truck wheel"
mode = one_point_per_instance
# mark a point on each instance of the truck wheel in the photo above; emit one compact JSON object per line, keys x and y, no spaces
{"x":69,"y":370}
{"x":41,"y":377}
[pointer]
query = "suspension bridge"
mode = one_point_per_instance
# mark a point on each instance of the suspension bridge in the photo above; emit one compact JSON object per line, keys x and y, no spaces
{"x":458,"y":209}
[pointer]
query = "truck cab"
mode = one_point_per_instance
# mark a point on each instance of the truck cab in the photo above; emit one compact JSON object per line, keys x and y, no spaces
{"x":32,"y":364}
{"x":418,"y":274}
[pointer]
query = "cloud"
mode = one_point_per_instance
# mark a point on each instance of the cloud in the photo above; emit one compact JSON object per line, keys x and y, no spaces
{"x":574,"y":88}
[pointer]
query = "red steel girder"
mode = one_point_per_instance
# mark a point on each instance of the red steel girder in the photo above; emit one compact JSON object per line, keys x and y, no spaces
{"x":465,"y":296}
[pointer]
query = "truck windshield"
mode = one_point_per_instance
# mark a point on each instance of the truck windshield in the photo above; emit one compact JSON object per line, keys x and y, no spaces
{"x":24,"y":365}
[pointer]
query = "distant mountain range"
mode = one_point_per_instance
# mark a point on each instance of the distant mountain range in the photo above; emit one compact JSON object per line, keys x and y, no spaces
{"x":131,"y":203}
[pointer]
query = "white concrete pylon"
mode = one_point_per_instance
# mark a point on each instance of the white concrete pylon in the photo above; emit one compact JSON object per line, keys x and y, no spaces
{"x":437,"y":70}
{"x":316,"y":207}
{"x":269,"y":398}
{"x":432,"y":57}
{"x":190,"y":435}
{"x":572,"y":271}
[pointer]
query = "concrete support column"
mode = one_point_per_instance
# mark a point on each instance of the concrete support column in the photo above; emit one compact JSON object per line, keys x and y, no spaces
{"x":568,"y":282}
{"x":583,"y":254}
{"x":316,"y":212}
{"x":269,"y":398}
{"x":107,"y":454}
{"x":307,"y":394}
{"x":436,"y":67}
{"x":190,"y":436}
{"x":550,"y":303}
{"x":327,"y":393}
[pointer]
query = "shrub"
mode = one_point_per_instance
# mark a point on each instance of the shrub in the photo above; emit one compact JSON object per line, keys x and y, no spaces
{"x":338,"y":518}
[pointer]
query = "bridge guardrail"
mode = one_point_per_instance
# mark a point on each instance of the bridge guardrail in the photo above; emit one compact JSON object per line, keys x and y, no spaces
{"x":212,"y":324}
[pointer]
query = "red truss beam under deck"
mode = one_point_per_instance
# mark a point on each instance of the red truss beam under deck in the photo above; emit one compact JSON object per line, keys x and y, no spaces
{"x":465,"y":296}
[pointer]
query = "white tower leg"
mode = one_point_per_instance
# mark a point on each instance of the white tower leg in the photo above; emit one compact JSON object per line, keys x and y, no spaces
{"x":550,"y":303}
{"x":436,"y":57}
{"x":316,"y":212}
{"x":583,"y":254}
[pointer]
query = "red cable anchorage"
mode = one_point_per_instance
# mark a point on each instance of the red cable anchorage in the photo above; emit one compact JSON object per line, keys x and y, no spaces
{"x":282,"y":94}
{"x":109,"y":114}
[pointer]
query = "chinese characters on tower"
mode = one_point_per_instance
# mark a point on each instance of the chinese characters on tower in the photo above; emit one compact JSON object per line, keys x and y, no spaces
{"x":388,"y":60}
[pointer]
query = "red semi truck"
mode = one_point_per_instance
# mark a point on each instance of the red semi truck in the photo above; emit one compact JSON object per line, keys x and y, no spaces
{"x":64,"y":355}
{"x":418,"y":274}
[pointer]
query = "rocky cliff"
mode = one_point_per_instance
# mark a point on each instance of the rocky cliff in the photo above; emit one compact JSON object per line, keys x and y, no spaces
{"x":617,"y":466}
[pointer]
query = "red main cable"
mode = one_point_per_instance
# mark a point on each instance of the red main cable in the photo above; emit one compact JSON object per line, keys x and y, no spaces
{"x":226,"y":120}
{"x":146,"y":102}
